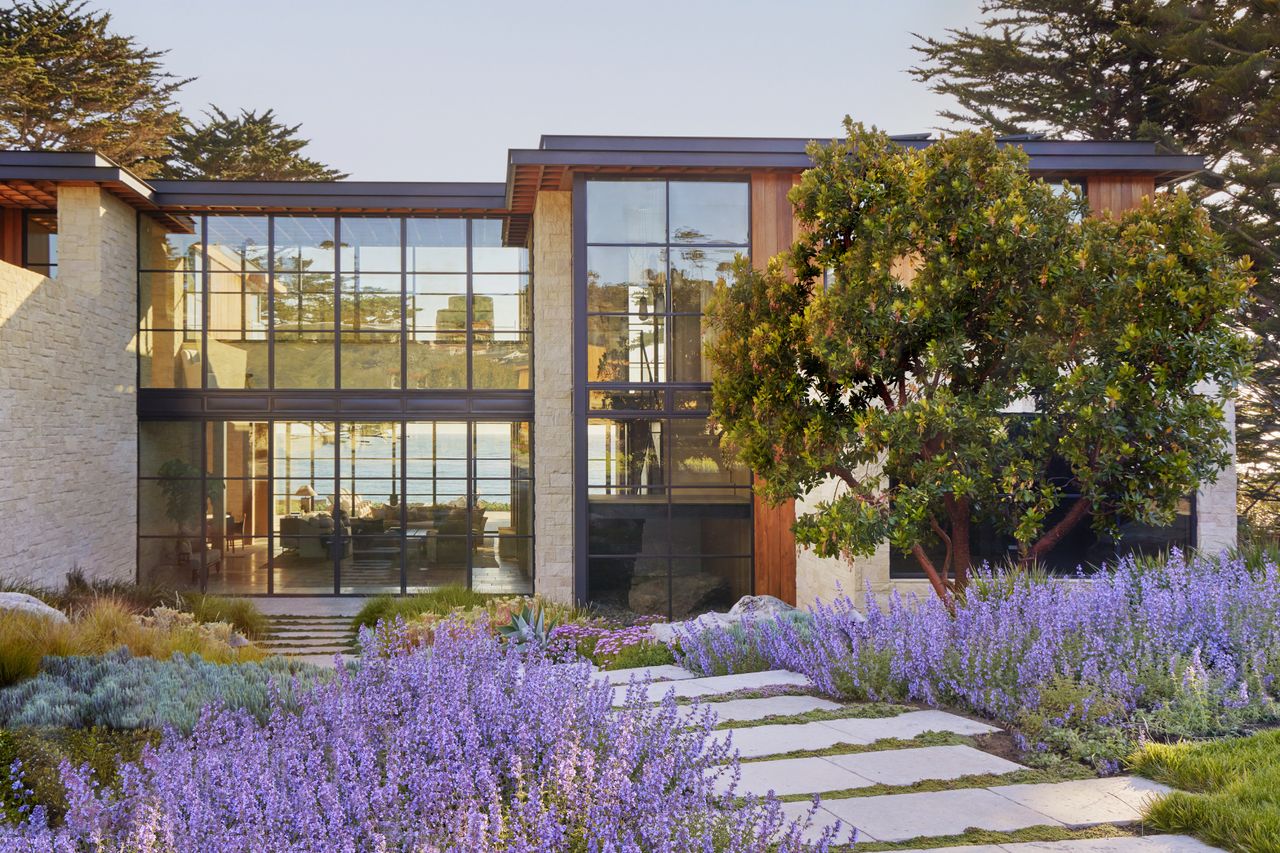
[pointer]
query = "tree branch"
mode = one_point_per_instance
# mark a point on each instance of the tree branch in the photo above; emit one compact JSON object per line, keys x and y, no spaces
{"x":931,"y":571}
{"x":1054,"y":534}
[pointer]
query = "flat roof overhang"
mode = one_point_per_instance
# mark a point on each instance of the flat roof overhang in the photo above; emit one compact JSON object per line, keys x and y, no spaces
{"x":551,"y":165}
{"x":30,"y":179}
{"x":487,"y":198}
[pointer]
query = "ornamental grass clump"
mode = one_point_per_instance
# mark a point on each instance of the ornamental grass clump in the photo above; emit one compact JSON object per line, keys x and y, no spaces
{"x":107,"y":624}
{"x":1188,"y":647}
{"x":469,"y":744}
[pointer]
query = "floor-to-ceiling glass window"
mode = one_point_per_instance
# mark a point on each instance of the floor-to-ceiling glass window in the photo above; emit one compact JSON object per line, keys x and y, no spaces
{"x":668,"y":515}
{"x":320,"y":506}
{"x":340,"y":329}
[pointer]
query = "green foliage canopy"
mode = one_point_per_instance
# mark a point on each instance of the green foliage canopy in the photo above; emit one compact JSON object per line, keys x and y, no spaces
{"x":947,"y":333}
{"x":1194,"y":74}
{"x":67,"y":82}
{"x":250,"y":146}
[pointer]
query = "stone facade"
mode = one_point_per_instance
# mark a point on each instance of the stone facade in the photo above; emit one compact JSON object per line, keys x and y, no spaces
{"x":1216,"y":502}
{"x":553,"y":500}
{"x":68,"y":444}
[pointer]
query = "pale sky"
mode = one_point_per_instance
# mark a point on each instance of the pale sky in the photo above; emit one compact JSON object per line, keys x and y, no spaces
{"x":438,"y":91}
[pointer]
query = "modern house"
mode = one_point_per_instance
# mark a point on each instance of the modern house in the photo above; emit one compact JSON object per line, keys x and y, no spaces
{"x":353,"y":387}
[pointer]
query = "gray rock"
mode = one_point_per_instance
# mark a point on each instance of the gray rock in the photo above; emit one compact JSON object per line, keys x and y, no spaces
{"x":237,"y":641}
{"x":20,"y":602}
{"x":759,"y":606}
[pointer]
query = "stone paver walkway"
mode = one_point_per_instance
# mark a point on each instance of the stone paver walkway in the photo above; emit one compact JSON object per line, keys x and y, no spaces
{"x":816,"y":775}
{"x":778,"y":739}
{"x":663,"y":673}
{"x":903,"y":816}
{"x":716,"y":685}
{"x":1131,"y":844}
{"x":743,"y":710}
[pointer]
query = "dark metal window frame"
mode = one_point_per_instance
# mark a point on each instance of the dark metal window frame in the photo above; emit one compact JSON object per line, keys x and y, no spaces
{"x":469,"y":333}
{"x":339,"y":480}
{"x":664,"y":391}
{"x":338,"y":405}
{"x":49,"y":270}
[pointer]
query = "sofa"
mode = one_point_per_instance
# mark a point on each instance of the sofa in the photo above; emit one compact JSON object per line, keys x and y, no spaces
{"x":310,"y":535}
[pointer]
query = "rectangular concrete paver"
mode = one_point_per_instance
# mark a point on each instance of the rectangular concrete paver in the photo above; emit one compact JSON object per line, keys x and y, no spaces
{"x":908,"y":766}
{"x":821,"y":820}
{"x":1126,"y":844}
{"x":717,"y":684}
{"x":899,"y":817}
{"x":665,"y":672}
{"x":1132,"y":844}
{"x":735,"y":710}
{"x":759,"y":741}
{"x":791,"y":776}
{"x":1087,"y":802}
{"x":909,"y":725}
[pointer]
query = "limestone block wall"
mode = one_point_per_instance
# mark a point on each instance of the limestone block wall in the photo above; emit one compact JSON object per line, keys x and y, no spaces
{"x":553,"y":500}
{"x":68,"y":422}
{"x":1216,"y":502}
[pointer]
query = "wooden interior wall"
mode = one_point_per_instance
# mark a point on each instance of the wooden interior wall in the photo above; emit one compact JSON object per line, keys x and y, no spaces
{"x":772,"y":230}
{"x":11,"y":235}
{"x":1111,"y":194}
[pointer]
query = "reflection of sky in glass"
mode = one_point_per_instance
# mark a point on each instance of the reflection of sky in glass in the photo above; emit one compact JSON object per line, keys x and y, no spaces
{"x":439,"y":453}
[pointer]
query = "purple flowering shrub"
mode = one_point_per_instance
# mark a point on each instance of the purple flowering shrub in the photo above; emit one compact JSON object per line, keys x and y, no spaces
{"x":469,"y":745}
{"x":1189,"y":647}
{"x":610,"y":646}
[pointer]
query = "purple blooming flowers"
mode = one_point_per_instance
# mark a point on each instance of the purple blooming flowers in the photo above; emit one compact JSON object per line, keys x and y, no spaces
{"x":1193,"y":637}
{"x":468,"y":745}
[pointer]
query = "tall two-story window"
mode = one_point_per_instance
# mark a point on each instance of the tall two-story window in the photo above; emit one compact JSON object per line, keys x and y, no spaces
{"x":333,"y":307}
{"x":669,"y":516}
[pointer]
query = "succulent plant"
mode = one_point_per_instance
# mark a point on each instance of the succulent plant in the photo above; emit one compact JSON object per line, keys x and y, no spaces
{"x":528,"y":627}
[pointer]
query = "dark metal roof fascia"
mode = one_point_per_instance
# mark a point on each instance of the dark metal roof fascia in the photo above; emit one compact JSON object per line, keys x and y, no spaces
{"x":80,"y":166}
{"x":351,"y":194}
{"x":1053,"y":161}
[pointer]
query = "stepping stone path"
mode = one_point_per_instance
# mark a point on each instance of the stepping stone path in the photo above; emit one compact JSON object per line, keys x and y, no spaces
{"x":903,"y":816}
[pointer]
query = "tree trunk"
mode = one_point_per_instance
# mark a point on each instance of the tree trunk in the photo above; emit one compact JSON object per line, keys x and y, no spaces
{"x":960,"y":553}
{"x":1078,"y":513}
{"x":934,"y":576}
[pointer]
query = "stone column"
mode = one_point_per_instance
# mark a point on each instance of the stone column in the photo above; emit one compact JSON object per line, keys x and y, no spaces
{"x":553,"y":471}
{"x":1216,"y":501}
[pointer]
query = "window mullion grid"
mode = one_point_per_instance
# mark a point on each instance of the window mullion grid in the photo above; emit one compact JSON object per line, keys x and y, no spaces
{"x":204,"y":305}
{"x":337,"y":303}
{"x":271,"y":301}
{"x":469,"y":335}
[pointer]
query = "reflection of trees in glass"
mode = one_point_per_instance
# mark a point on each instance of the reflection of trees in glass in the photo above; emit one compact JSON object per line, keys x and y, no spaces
{"x":643,"y":297}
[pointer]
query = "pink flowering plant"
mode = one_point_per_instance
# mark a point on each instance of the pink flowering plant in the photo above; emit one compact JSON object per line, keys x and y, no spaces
{"x":470,"y":744}
{"x":1087,"y":666}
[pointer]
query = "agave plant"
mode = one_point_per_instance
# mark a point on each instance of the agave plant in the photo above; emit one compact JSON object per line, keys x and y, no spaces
{"x":527,"y":627}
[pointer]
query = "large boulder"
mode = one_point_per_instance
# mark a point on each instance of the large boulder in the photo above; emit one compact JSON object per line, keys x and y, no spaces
{"x":20,"y":602}
{"x":689,"y":593}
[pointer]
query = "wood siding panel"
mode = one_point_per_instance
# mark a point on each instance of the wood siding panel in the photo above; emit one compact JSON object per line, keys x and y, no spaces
{"x":772,"y":230}
{"x":11,"y":236}
{"x":1113,"y":194}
